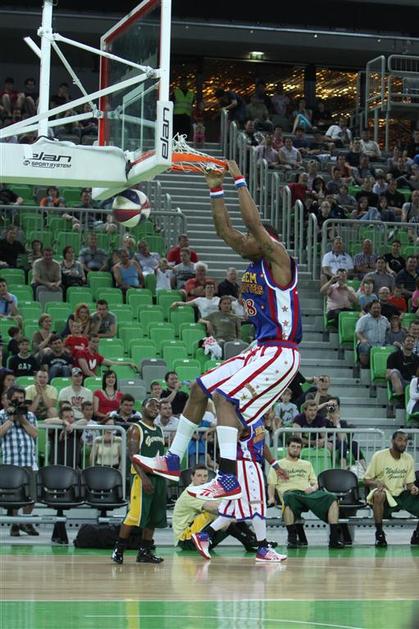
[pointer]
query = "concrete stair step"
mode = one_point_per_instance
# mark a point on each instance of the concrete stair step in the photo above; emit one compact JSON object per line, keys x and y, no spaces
{"x":324,"y":354}
{"x":364,"y":412}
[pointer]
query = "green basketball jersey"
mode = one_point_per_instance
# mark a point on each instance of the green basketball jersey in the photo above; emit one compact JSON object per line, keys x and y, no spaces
{"x":152,"y":440}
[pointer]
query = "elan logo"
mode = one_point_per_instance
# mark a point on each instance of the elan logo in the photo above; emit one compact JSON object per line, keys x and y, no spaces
{"x":48,"y":160}
{"x":165,"y":135}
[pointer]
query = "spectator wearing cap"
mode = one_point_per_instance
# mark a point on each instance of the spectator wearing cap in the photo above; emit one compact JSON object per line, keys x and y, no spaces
{"x":364,"y":262}
{"x":371,"y":331}
{"x":75,"y":394}
{"x":340,"y":296}
{"x":173,"y":255}
{"x":336,"y":259}
{"x":380,"y":277}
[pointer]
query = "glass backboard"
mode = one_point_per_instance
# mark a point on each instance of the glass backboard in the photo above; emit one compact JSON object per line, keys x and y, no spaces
{"x":138,"y":118}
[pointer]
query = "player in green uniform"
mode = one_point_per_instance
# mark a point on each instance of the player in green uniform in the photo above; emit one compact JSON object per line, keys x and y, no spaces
{"x":147,"y":507}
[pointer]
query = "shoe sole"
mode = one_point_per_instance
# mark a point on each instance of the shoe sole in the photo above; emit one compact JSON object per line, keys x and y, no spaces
{"x":168,"y":475}
{"x":231,"y":496}
{"x":270,"y":560}
{"x":199,"y":548}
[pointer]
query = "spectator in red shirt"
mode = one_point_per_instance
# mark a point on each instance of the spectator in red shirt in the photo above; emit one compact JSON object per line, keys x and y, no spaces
{"x":89,"y":360}
{"x":173,"y":255}
{"x":195,"y":287}
{"x":299,"y":188}
{"x":76,"y":340}
{"x":108,"y":398}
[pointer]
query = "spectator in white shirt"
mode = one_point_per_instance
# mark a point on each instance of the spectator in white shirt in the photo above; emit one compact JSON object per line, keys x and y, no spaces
{"x":167,"y":421}
{"x":369,"y":146}
{"x":289,"y":156}
{"x":206,"y":305}
{"x":336,"y":259}
{"x":339,"y":133}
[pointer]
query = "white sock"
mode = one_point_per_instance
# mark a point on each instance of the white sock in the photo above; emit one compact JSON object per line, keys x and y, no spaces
{"x":259,"y":527}
{"x":220,"y":523}
{"x":227,"y":442}
{"x":184,"y":432}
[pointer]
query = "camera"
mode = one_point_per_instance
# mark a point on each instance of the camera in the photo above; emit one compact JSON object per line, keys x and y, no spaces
{"x":332,"y":408}
{"x":17,"y":408}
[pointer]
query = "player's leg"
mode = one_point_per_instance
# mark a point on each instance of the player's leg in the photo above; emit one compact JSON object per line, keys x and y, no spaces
{"x":333,"y":520}
{"x":132,"y":519}
{"x":153,"y":515}
{"x":378,"y":503}
{"x":264,"y":553}
{"x":168,"y":465}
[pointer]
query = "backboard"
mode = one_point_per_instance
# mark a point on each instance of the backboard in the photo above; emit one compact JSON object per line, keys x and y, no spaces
{"x":138,"y":119}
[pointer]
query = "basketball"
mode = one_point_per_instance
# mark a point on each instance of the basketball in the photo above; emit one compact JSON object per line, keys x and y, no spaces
{"x":130,"y":207}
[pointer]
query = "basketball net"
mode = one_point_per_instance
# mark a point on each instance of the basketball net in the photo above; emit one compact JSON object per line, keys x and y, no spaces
{"x":189,"y":160}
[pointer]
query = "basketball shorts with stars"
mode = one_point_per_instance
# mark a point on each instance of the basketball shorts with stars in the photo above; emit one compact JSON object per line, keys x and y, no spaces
{"x":253,"y":380}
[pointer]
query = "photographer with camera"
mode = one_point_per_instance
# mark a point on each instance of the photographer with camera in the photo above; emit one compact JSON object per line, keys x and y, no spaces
{"x":18,"y":432}
{"x":344,"y":443}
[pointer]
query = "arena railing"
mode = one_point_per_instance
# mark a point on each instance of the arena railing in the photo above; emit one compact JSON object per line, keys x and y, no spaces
{"x":353,"y":230}
{"x":76,"y":446}
{"x":329,"y":455}
{"x":313,"y":247}
{"x":169,"y":222}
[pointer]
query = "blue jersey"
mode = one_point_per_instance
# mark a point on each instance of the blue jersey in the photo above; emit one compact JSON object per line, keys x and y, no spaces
{"x":250,"y":446}
{"x":274,"y":310}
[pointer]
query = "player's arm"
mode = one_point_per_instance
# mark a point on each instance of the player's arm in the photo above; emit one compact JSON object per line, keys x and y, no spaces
{"x":225,"y":230}
{"x":274,"y":464}
{"x":271,"y":249}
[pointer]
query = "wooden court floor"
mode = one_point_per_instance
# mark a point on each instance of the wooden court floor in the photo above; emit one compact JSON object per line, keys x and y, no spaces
{"x":45,"y":587}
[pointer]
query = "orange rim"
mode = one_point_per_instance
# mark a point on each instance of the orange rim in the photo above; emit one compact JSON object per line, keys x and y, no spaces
{"x":183,"y":161}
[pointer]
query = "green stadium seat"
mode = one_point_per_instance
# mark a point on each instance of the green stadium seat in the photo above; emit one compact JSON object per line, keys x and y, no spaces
{"x":60,"y":383}
{"x":199,"y":354}
{"x":166,"y":298}
{"x":408,"y":318}
{"x":156,"y":243}
{"x":143,"y":229}
{"x":187,"y":369}
{"x":5,"y":324}
{"x":355,"y":284}
{"x":123,"y":371}
{"x":139,"y":291}
{"x":347,"y":324}
{"x":150,"y":282}
{"x":22,"y":292}
{"x":13,"y":276}
{"x":25,"y":381}
{"x":142,"y":349}
{"x":30,"y":309}
{"x":111,"y":348}
{"x":130,"y":332}
{"x":71,"y":196}
{"x":58,"y":310}
{"x":160,"y":334}
{"x":112,"y":296}
{"x":172,"y":350}
{"x":123,"y":312}
{"x":190,"y":334}
{"x":68,"y":239}
{"x":410,"y":250}
{"x":31,"y":222}
{"x":46,"y":236}
{"x":182,"y":314}
{"x":77,"y":295}
{"x":92,"y":383}
{"x":410,"y":417}
{"x":41,"y":442}
{"x":211,"y":364}
{"x":247,"y":332}
{"x":378,"y":363}
{"x":29,"y":328}
{"x":98,"y":280}
{"x":139,"y":299}
{"x":57,"y":224}
{"x":149,"y":314}
{"x":320,"y":458}
{"x":25,"y":191}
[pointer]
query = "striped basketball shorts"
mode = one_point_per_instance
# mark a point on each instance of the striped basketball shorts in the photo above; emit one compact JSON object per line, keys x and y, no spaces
{"x":252,"y":503}
{"x":254,"y":380}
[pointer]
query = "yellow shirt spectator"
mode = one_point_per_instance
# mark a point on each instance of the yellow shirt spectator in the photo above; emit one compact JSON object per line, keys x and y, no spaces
{"x":301,"y":475}
{"x":394,"y":473}
{"x":187,"y":508}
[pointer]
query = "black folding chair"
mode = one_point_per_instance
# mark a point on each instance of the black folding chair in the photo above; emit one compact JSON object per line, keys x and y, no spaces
{"x":102,"y":488}
{"x":14,"y":488}
{"x":59,"y":488}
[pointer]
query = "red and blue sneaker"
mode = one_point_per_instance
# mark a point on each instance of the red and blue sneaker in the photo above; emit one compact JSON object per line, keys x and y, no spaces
{"x":167,"y":466}
{"x":222,"y":486}
{"x":268,"y":554}
{"x":202,"y":542}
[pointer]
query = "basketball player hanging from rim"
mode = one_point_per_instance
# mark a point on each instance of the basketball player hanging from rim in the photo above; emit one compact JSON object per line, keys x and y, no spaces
{"x":244,"y":387}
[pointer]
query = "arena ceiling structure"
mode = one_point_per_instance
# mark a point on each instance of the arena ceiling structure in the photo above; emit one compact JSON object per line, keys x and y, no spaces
{"x":283,"y":32}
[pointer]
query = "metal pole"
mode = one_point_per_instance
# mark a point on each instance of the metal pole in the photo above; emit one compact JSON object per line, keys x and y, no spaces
{"x":45,"y":32}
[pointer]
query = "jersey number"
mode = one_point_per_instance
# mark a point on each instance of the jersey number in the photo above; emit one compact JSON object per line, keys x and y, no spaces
{"x":250,"y":307}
